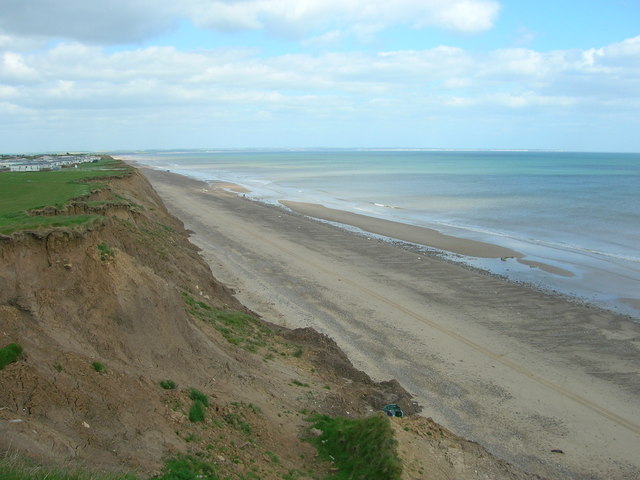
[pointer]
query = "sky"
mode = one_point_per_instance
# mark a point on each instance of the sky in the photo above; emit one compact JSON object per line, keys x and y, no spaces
{"x":83,"y":75}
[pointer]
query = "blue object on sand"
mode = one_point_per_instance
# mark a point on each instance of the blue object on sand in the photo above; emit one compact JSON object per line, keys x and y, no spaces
{"x":393,"y":410}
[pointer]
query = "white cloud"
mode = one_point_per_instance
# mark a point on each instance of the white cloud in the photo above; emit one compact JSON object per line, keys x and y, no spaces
{"x":74,"y":76}
{"x":458,"y":102}
{"x":11,"y":109}
{"x":7,"y":91}
{"x":331,"y":38}
{"x":627,"y":48}
{"x":14,"y":70}
{"x":528,"y":99}
{"x":298,"y":17}
{"x":126,"y":21}
{"x":467,"y":15}
{"x":19,"y":43}
{"x":456,"y":82}
{"x":149,"y":89}
{"x":523,"y":62}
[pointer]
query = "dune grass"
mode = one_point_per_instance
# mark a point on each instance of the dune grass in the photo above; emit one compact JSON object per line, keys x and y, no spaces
{"x":21,"y":192}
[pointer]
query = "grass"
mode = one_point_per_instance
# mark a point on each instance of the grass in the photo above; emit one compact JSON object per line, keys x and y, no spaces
{"x":9,"y":354}
{"x":168,"y":384}
{"x":187,"y":468}
{"x":237,"y":421}
{"x":98,"y":367}
{"x":298,"y":383}
{"x":106,"y":252}
{"x":21,"y":192}
{"x":196,"y":412}
{"x":198,"y":396}
{"x":273,"y":457}
{"x":183,"y":467}
{"x":200,"y":402}
{"x":242,"y":330}
{"x":13,"y":467}
{"x":361,"y":449}
{"x":236,"y":327}
{"x":20,"y":221}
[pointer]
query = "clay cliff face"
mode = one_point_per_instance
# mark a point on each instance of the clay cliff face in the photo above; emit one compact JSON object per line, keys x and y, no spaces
{"x":108,"y":293}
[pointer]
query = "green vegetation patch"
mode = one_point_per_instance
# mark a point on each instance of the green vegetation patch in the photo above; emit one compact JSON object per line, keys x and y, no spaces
{"x":13,"y":467}
{"x":298,"y":383}
{"x":200,"y":403}
{"x":187,"y":468}
{"x":251,"y":407}
{"x":20,"y":221}
{"x":9,"y":354}
{"x":197,"y":411}
{"x":98,"y":367}
{"x":106,"y":252}
{"x":236,"y":327}
{"x":238,"y":421}
{"x":168,"y":384}
{"x":198,"y":396}
{"x":183,"y":467}
{"x":361,"y":449}
{"x":21,"y":192}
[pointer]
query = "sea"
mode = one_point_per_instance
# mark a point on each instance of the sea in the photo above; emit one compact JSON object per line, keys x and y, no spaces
{"x":577,"y":211}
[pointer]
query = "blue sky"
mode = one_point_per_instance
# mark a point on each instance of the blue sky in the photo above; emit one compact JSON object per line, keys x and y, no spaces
{"x":143,"y":74}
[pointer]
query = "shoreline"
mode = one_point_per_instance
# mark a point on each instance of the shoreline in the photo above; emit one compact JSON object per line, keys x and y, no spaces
{"x":314,"y":212}
{"x":408,"y":233}
{"x":424,"y":236}
{"x":520,"y":371}
{"x":479,"y":255}
{"x":418,"y":238}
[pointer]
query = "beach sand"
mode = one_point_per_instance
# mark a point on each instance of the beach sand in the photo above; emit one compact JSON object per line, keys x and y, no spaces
{"x":517,"y":370}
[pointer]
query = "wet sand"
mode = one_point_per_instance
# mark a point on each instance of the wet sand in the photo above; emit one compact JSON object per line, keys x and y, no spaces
{"x":418,"y":235}
{"x":408,"y":233}
{"x":520,"y":371}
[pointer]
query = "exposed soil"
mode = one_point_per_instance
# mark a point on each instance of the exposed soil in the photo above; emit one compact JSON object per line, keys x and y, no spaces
{"x":71,"y":303}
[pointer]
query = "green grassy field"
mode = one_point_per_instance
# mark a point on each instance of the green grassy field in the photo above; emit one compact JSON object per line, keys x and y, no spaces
{"x":24,"y":191}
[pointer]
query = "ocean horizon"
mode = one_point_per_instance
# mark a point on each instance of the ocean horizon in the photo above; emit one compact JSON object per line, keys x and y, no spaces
{"x":574,"y":211}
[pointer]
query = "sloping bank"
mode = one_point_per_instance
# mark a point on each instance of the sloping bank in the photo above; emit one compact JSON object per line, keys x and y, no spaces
{"x":124,"y":331}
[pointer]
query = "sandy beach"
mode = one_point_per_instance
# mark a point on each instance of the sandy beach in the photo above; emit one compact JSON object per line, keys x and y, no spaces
{"x":550,"y":385}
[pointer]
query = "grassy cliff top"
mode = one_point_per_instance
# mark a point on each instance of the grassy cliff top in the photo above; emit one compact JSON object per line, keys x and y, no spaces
{"x":23,"y":192}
